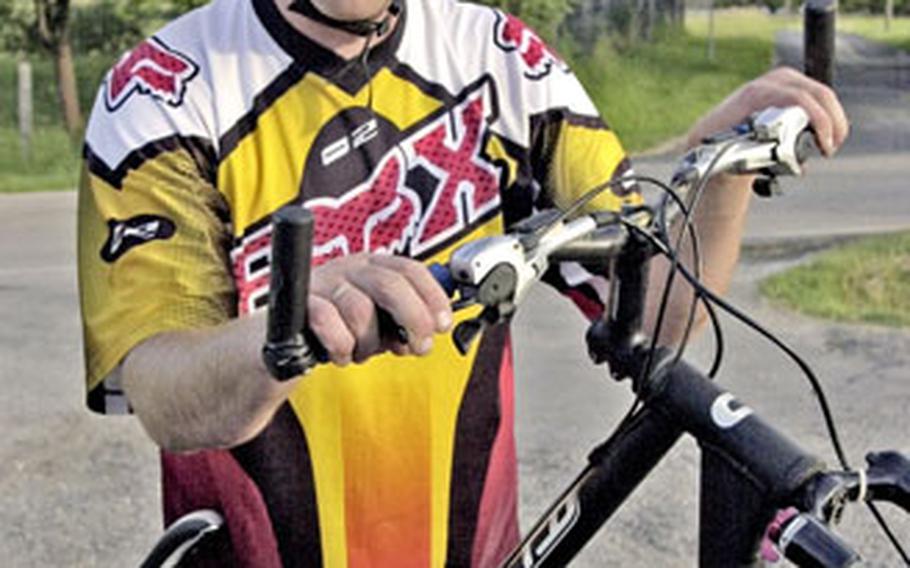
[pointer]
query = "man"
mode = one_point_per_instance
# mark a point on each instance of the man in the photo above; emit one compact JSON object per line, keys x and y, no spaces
{"x":442,"y":122}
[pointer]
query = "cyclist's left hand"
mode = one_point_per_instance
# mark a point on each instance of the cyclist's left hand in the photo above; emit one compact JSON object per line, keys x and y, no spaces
{"x":780,"y":87}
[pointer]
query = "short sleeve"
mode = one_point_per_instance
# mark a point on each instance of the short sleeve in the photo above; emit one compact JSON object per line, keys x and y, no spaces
{"x":153,"y":237}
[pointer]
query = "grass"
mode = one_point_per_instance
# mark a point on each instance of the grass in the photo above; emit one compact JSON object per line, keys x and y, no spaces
{"x":54,"y":161}
{"x":53,"y":164}
{"x":89,"y":69}
{"x":873,"y":27}
{"x":652,"y":92}
{"x":866,"y":281}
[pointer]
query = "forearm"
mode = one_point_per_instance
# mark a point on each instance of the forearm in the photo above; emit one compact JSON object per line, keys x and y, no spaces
{"x":204,"y":388}
{"x":719,"y":220}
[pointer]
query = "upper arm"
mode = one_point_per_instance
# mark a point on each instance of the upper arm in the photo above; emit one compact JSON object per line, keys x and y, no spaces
{"x":152,"y":231}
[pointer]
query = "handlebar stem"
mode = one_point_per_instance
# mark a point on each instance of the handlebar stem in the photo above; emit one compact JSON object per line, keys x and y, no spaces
{"x":617,"y":338}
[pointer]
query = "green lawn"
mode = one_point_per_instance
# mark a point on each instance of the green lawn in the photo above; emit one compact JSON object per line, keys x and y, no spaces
{"x":866,"y":281}
{"x":656,"y":91}
{"x":873,"y":27}
{"x":53,"y":165}
{"x":89,"y":68}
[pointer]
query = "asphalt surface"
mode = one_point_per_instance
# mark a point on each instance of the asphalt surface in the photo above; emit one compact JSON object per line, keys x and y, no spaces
{"x":79,"y":490}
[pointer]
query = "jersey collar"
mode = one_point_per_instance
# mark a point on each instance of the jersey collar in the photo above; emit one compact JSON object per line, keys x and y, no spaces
{"x":325,"y":62}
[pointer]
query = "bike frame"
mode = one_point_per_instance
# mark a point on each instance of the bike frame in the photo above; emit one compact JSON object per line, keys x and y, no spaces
{"x":748,"y":468}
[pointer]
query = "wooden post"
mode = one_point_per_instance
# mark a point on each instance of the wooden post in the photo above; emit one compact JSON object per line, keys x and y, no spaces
{"x":889,"y":14}
{"x":711,"y":55}
{"x":26,"y":121}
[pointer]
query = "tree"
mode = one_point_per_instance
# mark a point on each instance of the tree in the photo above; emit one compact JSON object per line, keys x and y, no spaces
{"x":52,"y":18}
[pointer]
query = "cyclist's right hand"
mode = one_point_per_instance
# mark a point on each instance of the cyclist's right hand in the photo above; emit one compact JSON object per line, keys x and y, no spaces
{"x":345,"y":293}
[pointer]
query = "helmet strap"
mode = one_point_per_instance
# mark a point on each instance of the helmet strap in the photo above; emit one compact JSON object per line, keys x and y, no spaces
{"x":363,"y":28}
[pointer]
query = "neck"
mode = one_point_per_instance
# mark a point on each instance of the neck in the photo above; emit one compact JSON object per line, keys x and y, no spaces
{"x":345,"y":44}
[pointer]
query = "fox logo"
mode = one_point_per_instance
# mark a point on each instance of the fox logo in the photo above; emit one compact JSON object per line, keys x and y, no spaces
{"x":390,"y":212}
{"x":152,"y":69}
{"x":511,"y":34}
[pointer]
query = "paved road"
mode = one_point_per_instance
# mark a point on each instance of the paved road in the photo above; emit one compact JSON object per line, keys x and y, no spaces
{"x":78,"y":490}
{"x":866,"y":370}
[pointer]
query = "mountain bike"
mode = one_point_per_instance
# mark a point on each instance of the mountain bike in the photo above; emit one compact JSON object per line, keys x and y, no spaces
{"x":756,"y":482}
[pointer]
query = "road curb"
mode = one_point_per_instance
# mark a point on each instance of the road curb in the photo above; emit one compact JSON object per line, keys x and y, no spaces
{"x":775,"y":248}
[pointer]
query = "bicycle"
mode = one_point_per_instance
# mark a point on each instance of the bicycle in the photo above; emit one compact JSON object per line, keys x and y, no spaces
{"x":756,"y":482}
{"x":755,"y":472}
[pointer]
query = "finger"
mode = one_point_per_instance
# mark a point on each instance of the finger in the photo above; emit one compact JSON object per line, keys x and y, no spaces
{"x":394,"y":293}
{"x":359,"y":314}
{"x":424,"y":284}
{"x":400,"y":349}
{"x":818,"y":118}
{"x":826,"y":99}
{"x":327,"y":324}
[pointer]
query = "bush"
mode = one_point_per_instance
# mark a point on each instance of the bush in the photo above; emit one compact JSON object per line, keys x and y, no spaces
{"x":103,"y":28}
{"x":544,"y":16}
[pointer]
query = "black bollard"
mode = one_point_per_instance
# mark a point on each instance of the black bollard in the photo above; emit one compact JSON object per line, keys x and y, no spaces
{"x":818,"y":40}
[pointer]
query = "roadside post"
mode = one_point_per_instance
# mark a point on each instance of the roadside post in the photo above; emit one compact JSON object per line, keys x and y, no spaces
{"x":818,"y":40}
{"x":26,"y":118}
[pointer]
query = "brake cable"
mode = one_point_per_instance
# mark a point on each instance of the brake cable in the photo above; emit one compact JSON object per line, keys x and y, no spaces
{"x":804,"y":367}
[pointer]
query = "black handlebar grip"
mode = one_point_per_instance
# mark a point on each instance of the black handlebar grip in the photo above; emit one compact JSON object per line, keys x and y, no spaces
{"x":292,"y":239}
{"x":807,"y":542}
{"x":290,"y":350}
{"x":805,"y":145}
{"x":818,"y":40}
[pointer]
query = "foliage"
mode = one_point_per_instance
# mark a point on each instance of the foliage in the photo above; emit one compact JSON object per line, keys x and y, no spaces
{"x":51,"y":24}
{"x":108,"y":26}
{"x":649,"y":92}
{"x":544,"y":16}
{"x":105,"y":27}
{"x":843,"y":6}
{"x":867,"y":281}
{"x":90,"y":70}
{"x":901,"y":7}
{"x":16,"y":26}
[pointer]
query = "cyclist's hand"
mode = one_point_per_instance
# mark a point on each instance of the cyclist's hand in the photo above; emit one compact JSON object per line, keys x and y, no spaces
{"x":343,"y":299}
{"x":781,"y":87}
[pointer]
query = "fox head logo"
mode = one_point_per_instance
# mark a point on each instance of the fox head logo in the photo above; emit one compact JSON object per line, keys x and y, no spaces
{"x":153,"y":69}
{"x":512,"y":34}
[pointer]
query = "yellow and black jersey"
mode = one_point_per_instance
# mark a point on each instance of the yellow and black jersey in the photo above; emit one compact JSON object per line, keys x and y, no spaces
{"x":460,"y":123}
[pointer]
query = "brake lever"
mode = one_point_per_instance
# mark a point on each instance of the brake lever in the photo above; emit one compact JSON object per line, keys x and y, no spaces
{"x":771,"y":143}
{"x":888,"y":478}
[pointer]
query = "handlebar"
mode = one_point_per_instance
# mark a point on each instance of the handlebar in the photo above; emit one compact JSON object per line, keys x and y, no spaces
{"x":290,"y":348}
{"x":496,"y":272}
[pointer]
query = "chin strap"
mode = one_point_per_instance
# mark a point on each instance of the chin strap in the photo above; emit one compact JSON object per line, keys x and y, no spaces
{"x":363,"y":28}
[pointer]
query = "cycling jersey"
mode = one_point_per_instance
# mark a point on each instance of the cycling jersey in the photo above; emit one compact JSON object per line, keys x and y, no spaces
{"x":460,"y":122}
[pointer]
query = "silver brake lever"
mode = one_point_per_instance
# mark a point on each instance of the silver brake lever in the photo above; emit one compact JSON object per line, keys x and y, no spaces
{"x":772,"y":142}
{"x":471,"y":263}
